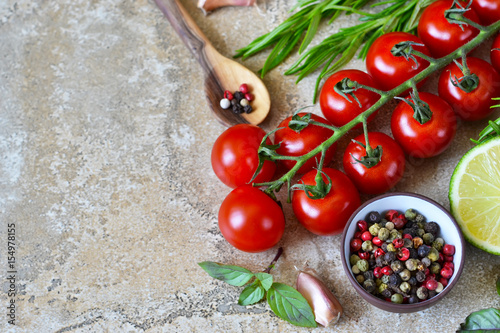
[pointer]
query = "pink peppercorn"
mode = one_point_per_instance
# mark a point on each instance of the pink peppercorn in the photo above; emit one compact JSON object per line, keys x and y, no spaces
{"x":449,"y":265}
{"x":377,"y":272}
{"x":446,"y":272}
{"x":404,"y":254}
{"x":386,"y":270}
{"x":398,"y":223}
{"x":378,"y":252}
{"x":398,"y":243}
{"x":377,"y":241}
{"x":244,"y":88}
{"x":448,"y":250}
{"x":431,"y":284}
{"x":356,"y":244}
{"x":443,"y":281}
{"x":366,"y":236}
{"x":448,"y":258}
{"x":364,"y":255}
{"x":249,"y":97}
{"x":228,"y":95}
{"x":390,"y":215}
{"x":362,"y":225}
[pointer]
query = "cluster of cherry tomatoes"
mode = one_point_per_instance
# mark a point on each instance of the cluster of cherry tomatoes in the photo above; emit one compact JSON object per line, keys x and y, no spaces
{"x":252,"y":221}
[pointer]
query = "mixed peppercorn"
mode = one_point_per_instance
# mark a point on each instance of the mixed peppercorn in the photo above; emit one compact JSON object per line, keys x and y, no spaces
{"x":239,"y":101}
{"x":400,"y":257}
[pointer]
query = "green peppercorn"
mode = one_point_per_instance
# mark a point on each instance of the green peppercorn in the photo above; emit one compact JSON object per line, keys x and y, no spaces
{"x":413,"y":299}
{"x":360,"y":278}
{"x":422,"y":293}
{"x":405,"y":287}
{"x":428,"y":238}
{"x":391,"y":248}
{"x":412,"y":264}
{"x":435,"y":268}
{"x":437,"y":245}
{"x":355,"y":269}
{"x":426,"y":261}
{"x":433,"y":254}
{"x":405,"y":275}
{"x":378,"y":282}
{"x":420,"y":232}
{"x":385,"y":279}
{"x":369,"y":286}
{"x":382,"y":223}
{"x":407,"y":243}
{"x":389,"y":226}
{"x":374,"y":229}
{"x":410,"y":214}
{"x":363,"y":265}
{"x":397,"y":266}
{"x":381,"y":288}
{"x":383,"y":234}
{"x":397,"y":298}
{"x":354,"y":258}
{"x":419,"y":218}
{"x":394,"y":235}
{"x":367,"y":246}
{"x":417,"y":241}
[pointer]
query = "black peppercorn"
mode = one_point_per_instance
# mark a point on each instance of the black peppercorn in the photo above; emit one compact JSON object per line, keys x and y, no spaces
{"x":412,"y":281}
{"x":247,"y":108}
{"x":369,"y":275}
{"x":395,"y":280}
{"x":410,"y":224}
{"x":384,"y":247}
{"x":387,"y":293}
{"x":423,"y":251}
{"x":432,"y":293}
{"x":369,"y":285}
{"x":380,"y":262}
{"x":432,"y":227}
{"x":238,"y":95}
{"x":413,"y":299}
{"x":413,"y":253}
{"x":420,"y":276}
{"x":374,"y":217}
{"x":390,"y":257}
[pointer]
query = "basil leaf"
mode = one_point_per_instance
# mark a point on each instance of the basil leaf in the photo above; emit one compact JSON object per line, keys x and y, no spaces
{"x":498,"y":286}
{"x":251,"y":294}
{"x":288,"y":304}
{"x":266,"y":280}
{"x":487,"y":320}
{"x":233,"y":275}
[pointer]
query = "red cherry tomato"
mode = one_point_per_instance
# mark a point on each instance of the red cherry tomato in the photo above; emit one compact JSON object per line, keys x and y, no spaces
{"x":476,"y":104}
{"x":429,"y":139}
{"x":495,"y":53}
{"x":487,"y":10}
{"x":235,"y":158}
{"x":385,"y":174}
{"x":441,"y":36}
{"x":329,"y":215}
{"x":388,"y":70}
{"x":250,"y":220}
{"x":299,"y":143}
{"x":336,"y":108}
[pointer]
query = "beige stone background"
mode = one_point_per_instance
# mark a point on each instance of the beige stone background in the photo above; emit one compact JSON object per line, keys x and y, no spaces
{"x":105,"y":141}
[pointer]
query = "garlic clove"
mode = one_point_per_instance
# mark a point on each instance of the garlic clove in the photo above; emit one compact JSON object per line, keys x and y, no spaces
{"x":327,"y":309}
{"x":210,"y":5}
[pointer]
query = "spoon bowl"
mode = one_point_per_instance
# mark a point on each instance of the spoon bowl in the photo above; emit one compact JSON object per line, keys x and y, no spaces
{"x":221,"y":73}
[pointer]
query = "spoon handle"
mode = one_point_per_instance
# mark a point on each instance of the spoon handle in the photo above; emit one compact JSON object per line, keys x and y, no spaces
{"x":187,"y":29}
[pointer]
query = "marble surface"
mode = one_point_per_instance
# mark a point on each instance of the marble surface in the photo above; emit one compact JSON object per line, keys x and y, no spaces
{"x":105,"y":142}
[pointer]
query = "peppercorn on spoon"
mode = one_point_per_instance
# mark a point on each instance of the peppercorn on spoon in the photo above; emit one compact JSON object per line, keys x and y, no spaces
{"x":221,"y":73}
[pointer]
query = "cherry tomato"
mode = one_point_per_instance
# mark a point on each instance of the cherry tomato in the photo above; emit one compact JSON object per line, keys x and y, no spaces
{"x":336,"y":108}
{"x":441,"y":36}
{"x":235,"y":158}
{"x":329,"y":215}
{"x":487,"y":10}
{"x":476,"y":104}
{"x":495,"y":53}
{"x":429,"y":139}
{"x":297,"y":144}
{"x":389,"y":70}
{"x":385,"y":174}
{"x":250,"y":220}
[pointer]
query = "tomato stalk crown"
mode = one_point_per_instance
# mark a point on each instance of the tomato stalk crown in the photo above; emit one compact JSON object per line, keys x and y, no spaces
{"x":469,"y":81}
{"x":455,"y":15}
{"x":405,"y":49}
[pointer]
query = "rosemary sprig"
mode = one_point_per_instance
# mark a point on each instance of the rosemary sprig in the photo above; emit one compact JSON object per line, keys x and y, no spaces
{"x":336,"y":51}
{"x":303,"y":23}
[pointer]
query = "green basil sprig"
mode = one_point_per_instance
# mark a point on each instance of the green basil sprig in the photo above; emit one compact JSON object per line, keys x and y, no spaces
{"x":487,"y":320}
{"x":286,"y":302}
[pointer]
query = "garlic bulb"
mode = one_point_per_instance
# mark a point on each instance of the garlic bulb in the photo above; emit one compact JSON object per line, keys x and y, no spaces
{"x":326,"y":307}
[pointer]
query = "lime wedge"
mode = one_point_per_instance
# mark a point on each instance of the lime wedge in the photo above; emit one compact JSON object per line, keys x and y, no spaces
{"x":475,"y":195}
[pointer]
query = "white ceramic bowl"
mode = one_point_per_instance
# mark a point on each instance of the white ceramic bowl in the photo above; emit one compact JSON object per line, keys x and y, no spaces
{"x":449,"y":231}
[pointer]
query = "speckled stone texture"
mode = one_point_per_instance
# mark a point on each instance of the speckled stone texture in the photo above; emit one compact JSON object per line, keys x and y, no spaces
{"x":105,"y":142}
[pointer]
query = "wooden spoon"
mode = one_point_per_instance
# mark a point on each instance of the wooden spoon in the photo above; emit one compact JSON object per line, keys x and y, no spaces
{"x":221,"y":73}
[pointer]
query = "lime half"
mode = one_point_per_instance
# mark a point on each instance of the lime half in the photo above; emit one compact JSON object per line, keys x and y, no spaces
{"x":475,"y":195}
